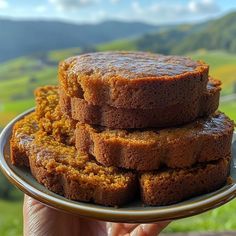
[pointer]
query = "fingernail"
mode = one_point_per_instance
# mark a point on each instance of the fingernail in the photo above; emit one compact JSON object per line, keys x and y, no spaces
{"x":135,"y":232}
{"x":144,"y":227}
{"x":109,"y":228}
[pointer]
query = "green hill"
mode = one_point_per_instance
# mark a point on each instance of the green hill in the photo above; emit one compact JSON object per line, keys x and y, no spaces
{"x":161,"y":42}
{"x":220,"y":34}
{"x":217,"y":34}
{"x":222,"y":66}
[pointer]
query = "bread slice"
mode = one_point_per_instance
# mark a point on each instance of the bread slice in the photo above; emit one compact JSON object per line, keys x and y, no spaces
{"x":171,"y":186}
{"x":61,"y":169}
{"x":120,"y":118}
{"x":137,"y":80}
{"x":203,"y":140}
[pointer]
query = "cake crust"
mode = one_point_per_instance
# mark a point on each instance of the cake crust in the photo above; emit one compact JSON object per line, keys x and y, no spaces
{"x":133,"y":79}
{"x":120,"y":118}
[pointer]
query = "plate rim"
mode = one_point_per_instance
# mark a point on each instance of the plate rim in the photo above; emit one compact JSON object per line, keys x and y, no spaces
{"x":110,"y":213}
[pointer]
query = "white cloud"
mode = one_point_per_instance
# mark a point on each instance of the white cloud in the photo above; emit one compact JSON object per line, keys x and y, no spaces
{"x":136,"y":7}
{"x":101,"y":13}
{"x":203,"y":6}
{"x":40,"y":8}
{"x":193,"y":7}
{"x":64,"y":5}
{"x":160,"y":12}
{"x":3,"y":4}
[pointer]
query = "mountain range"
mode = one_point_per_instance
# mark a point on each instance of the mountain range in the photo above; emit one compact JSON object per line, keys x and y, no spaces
{"x":20,"y":38}
{"x":24,"y":37}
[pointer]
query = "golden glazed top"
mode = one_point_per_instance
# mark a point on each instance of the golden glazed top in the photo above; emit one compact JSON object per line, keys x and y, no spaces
{"x":132,"y":65}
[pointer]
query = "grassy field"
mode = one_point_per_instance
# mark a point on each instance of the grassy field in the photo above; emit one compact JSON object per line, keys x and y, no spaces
{"x":229,"y":108}
{"x":220,"y":219}
{"x":11,"y":218}
{"x":222,"y":66}
{"x":124,"y":44}
{"x":19,"y":78}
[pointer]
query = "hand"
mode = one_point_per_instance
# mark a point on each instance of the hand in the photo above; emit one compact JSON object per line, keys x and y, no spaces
{"x":40,"y":220}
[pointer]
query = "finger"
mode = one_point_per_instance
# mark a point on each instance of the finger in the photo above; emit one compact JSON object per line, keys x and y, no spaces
{"x":40,"y":220}
{"x":31,"y":213}
{"x":149,"y":229}
{"x":118,"y":229}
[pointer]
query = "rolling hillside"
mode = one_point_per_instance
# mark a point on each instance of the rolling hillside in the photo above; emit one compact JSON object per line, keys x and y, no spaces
{"x":220,"y":34}
{"x":21,"y":76}
{"x":217,"y":34}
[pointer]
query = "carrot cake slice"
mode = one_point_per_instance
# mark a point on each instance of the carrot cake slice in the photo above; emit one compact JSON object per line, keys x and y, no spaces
{"x":121,"y":118}
{"x":63,"y":170}
{"x":171,"y":186}
{"x":133,"y":79}
{"x":203,"y":140}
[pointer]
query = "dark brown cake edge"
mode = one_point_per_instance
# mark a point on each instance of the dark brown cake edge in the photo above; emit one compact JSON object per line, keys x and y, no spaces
{"x":118,"y":118}
{"x":164,"y":190}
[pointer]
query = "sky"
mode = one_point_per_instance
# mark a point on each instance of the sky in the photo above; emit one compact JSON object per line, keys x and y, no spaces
{"x":93,"y":11}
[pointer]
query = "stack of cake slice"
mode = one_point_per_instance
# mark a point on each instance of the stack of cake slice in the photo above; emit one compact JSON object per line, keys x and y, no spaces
{"x":127,"y":125}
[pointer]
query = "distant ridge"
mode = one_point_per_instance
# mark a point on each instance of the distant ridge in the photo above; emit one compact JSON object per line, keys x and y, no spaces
{"x":20,"y":38}
{"x":24,"y":37}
